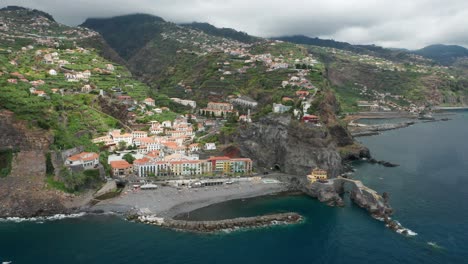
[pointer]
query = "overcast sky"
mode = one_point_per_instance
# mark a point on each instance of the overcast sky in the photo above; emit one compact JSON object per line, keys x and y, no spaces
{"x":397,"y":23}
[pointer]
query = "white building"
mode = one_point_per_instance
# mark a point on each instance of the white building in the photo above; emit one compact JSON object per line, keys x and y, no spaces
{"x":210,"y":146}
{"x":190,"y":103}
{"x":149,"y":101}
{"x":139,"y":134}
{"x":88,"y":160}
{"x":118,"y":137}
{"x":279,"y":108}
{"x":166,"y":123}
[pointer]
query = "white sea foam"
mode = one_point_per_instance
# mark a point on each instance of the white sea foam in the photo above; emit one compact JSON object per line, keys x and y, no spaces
{"x":434,"y":245}
{"x":42,"y":219}
{"x":407,"y":232}
{"x":403,"y":230}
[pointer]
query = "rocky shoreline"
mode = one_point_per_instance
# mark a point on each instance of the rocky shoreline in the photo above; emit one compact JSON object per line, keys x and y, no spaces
{"x":370,"y":130}
{"x":330,"y":193}
{"x":219,"y":225}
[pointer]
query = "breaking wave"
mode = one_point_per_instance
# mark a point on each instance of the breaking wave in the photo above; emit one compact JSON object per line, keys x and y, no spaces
{"x":42,"y":219}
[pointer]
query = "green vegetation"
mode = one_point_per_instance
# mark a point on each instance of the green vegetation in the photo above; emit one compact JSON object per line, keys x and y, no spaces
{"x":6,"y":158}
{"x":58,"y":185}
{"x":214,"y":138}
{"x":348,"y":97}
{"x":128,"y":33}
{"x":222,"y":32}
{"x":75,"y":182}
{"x":129,"y":158}
{"x":49,"y":165}
{"x":109,"y":195}
{"x":74,"y":118}
{"x":103,"y":160}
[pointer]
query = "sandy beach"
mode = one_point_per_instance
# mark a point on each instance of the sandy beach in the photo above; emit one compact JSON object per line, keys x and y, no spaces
{"x":171,"y":201}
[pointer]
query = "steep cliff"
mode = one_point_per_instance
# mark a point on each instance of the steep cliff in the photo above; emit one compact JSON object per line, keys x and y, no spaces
{"x":23,"y":191}
{"x":279,"y":142}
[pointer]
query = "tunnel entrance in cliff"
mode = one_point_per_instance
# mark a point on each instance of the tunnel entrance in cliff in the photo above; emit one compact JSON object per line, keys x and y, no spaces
{"x":277,"y":168}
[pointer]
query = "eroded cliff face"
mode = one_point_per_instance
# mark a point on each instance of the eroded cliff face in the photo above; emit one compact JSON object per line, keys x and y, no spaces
{"x":281,"y":143}
{"x":23,"y":191}
{"x":278,"y":142}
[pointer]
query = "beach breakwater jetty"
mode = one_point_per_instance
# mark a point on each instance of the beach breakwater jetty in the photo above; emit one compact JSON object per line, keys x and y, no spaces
{"x":370,"y":130}
{"x":220,"y":225}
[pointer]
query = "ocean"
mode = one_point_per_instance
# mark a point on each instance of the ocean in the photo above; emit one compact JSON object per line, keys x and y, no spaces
{"x":429,"y":192}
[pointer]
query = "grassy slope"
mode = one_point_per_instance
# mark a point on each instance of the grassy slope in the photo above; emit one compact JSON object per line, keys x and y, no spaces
{"x":69,"y":115}
{"x":347,"y":71}
{"x":201,"y":73}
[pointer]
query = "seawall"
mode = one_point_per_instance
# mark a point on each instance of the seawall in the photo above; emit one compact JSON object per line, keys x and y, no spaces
{"x":368,"y":130}
{"x":220,"y":225}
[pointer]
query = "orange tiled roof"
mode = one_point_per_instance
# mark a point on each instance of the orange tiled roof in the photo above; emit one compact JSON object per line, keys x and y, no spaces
{"x":84,"y":156}
{"x":120,"y":164}
{"x":141,"y":161}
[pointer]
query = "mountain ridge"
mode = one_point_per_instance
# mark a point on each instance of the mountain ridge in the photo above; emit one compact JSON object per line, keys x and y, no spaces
{"x":442,"y":53}
{"x":222,"y":32}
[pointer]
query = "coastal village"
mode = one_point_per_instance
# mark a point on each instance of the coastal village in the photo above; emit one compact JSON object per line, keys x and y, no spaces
{"x":140,"y":135}
{"x":156,"y":142}
{"x":126,"y":137}
{"x":168,"y":146}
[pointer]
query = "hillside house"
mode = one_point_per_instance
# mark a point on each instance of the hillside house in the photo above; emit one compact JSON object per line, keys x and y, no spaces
{"x":167,"y":123}
{"x":245,"y":118}
{"x":218,"y":109}
{"x":149,"y":101}
{"x":318,"y":175}
{"x":279,"y":108}
{"x":368,"y":106}
{"x":210,"y":146}
{"x":86,"y":160}
{"x":125,"y":99}
{"x":139,"y":134}
{"x":121,"y":168}
{"x":190,"y":103}
{"x":118,"y":137}
{"x":244,"y":101}
{"x":110,"y":67}
{"x":86,"y":88}
{"x":310,"y":119}
{"x":194,"y":147}
{"x":302,"y":94}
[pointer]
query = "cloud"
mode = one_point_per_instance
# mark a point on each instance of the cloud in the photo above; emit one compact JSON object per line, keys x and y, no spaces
{"x":398,"y":23}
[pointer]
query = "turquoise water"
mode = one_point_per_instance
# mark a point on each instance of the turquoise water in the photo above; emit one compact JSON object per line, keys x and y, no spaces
{"x":429,"y":192}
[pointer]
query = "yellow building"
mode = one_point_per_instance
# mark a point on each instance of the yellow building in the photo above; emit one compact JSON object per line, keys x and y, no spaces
{"x":317,"y":175}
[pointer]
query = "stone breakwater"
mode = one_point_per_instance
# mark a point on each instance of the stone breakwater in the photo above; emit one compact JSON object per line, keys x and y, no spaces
{"x":220,"y":225}
{"x":369,"y":130}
